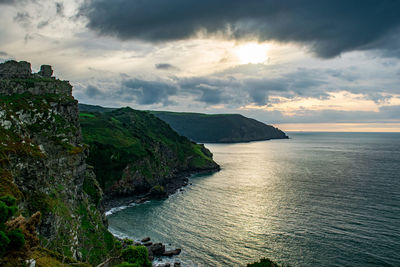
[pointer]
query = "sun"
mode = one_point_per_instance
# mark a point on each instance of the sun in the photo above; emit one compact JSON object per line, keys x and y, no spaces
{"x":253,"y":53}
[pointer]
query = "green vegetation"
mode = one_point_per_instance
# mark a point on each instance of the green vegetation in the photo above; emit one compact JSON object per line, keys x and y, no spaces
{"x":219,"y":128}
{"x":135,"y":256}
{"x":87,"y":115}
{"x":10,"y":240}
{"x":17,"y":239}
{"x":48,"y":258}
{"x":146,"y":145}
{"x":41,"y":134}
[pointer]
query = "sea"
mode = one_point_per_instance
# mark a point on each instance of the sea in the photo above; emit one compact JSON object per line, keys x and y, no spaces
{"x":316,"y":199}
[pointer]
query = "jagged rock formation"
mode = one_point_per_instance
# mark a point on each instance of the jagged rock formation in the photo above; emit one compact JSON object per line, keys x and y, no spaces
{"x":13,"y":69}
{"x":43,"y":162}
{"x":17,"y":78}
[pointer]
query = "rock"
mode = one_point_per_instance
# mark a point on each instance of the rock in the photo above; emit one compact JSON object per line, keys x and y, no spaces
{"x":13,"y":69}
{"x":157,"y":249}
{"x":170,"y":253}
{"x":167,"y":264}
{"x":148,"y":244}
{"x":177,"y":264}
{"x":31,"y":263}
{"x":146,"y":239}
{"x":49,"y":167}
{"x":46,"y":71}
{"x":151,"y":256}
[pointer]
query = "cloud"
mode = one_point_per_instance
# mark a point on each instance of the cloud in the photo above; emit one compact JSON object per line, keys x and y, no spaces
{"x":5,"y":56}
{"x":165,"y":66}
{"x":6,"y":2}
{"x":327,"y":27}
{"x":147,"y":92}
{"x":60,"y":9}
{"x":23,"y":18}
{"x":92,"y":91}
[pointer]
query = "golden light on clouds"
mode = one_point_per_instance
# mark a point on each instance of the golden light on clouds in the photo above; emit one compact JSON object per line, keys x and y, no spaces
{"x":343,"y":101}
{"x":252,"y":53}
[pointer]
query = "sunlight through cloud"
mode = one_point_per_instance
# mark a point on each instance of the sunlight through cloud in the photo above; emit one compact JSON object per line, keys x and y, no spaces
{"x":253,"y":53}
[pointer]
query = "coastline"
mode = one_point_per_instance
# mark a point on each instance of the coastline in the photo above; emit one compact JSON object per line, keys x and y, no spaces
{"x":171,"y":186}
{"x":164,"y":257}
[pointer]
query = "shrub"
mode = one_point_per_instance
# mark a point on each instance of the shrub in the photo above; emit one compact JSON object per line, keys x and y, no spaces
{"x":118,"y":245}
{"x":127,"y":264}
{"x":158,"y":191}
{"x":3,"y":214}
{"x":128,"y":241}
{"x":7,"y":209}
{"x":136,"y":255}
{"x":4,"y":241}
{"x":17,"y":239}
{"x":9,"y":200}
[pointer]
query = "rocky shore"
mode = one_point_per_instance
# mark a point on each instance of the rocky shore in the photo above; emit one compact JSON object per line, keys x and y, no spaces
{"x":171,"y":186}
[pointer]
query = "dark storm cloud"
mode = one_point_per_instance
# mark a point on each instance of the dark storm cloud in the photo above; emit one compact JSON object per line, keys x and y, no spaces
{"x":6,"y":2}
{"x":165,"y":66}
{"x":234,"y":93}
{"x":93,"y":91}
{"x":147,"y":92}
{"x":210,"y":96}
{"x":327,"y":27}
{"x":215,"y":90}
{"x":3,"y":54}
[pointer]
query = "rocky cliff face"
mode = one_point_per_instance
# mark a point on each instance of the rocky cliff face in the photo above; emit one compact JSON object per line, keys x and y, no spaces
{"x":43,"y":162}
{"x":133,"y":153}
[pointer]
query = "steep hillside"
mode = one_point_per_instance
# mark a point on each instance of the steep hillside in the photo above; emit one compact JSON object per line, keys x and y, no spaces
{"x":219,"y":128}
{"x":133,"y":152}
{"x":43,"y":165}
{"x":211,"y":128}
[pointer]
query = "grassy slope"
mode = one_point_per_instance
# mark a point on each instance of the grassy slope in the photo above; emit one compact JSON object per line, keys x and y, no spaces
{"x":210,"y":128}
{"x":148,"y":145}
{"x":219,"y":127}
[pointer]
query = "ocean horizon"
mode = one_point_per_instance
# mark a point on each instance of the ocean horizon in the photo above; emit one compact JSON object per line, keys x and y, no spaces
{"x":318,"y":198}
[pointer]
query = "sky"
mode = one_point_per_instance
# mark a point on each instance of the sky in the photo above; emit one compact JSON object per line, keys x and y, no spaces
{"x":301,"y":65}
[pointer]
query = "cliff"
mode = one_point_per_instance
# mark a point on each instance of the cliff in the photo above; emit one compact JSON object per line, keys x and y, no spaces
{"x":134,"y":153}
{"x":219,"y":128}
{"x":43,"y":164}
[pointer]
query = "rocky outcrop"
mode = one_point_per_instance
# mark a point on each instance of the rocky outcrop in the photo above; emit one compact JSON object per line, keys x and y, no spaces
{"x":17,"y":78}
{"x":13,"y":69}
{"x":135,"y":153}
{"x":45,"y":71}
{"x":43,"y":162}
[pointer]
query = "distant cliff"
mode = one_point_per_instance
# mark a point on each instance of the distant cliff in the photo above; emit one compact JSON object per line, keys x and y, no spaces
{"x":210,"y":128}
{"x":134,"y":152}
{"x":43,"y":165}
{"x":219,"y":128}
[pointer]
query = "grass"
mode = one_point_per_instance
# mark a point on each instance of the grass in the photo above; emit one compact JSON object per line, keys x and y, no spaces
{"x":87,"y":115}
{"x":148,"y":145}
